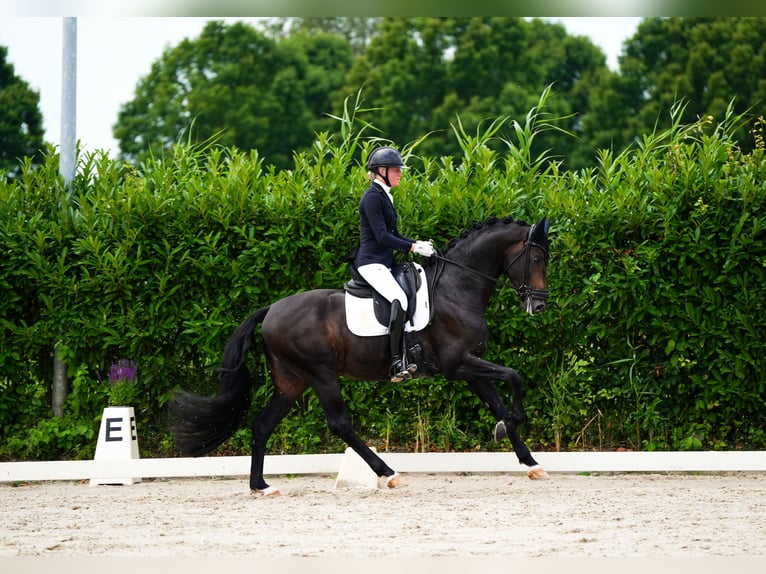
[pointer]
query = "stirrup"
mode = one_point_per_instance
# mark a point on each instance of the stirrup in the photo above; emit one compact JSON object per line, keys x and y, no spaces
{"x":410,"y":368}
{"x":405,"y":371}
{"x":399,"y":373}
{"x":401,"y":376}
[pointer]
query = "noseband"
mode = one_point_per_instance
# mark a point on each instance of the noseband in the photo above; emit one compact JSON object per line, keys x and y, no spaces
{"x":524,"y":290}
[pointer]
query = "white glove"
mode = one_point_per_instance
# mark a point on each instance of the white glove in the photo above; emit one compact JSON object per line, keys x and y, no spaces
{"x":424,"y":248}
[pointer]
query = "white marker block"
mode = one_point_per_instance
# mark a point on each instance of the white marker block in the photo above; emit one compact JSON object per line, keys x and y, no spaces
{"x":354,"y":471}
{"x":117,"y":440}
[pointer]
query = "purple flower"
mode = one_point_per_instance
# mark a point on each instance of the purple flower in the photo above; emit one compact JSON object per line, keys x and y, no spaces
{"x":123,"y":370}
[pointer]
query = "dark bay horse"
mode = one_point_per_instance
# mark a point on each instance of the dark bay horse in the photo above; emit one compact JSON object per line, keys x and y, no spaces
{"x":308,"y":345}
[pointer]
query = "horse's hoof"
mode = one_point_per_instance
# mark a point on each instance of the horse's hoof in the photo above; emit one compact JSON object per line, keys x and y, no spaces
{"x":537,"y":473}
{"x":394,"y":480}
{"x":263,"y":492}
{"x":500,"y":431}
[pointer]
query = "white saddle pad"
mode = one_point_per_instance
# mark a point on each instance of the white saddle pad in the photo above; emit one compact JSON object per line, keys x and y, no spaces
{"x":360,"y":314}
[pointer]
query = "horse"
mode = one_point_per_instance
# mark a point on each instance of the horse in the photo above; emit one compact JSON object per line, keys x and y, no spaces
{"x":307,"y":344}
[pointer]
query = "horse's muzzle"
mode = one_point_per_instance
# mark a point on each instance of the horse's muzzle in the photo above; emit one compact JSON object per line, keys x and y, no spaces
{"x":533,"y":301}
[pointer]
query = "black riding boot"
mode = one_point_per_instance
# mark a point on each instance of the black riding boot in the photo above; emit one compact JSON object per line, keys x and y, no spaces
{"x":400,"y":368}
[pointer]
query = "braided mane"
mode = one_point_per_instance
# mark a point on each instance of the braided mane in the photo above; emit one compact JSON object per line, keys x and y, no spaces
{"x":492,"y":220}
{"x":469,"y":232}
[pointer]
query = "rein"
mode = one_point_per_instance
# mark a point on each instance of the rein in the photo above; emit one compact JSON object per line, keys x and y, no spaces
{"x":471,"y":269}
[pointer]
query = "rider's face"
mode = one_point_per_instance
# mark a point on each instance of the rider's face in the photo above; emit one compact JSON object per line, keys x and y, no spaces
{"x":394,"y":175}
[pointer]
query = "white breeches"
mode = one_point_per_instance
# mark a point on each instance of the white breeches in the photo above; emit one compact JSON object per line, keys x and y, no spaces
{"x":380,"y":278}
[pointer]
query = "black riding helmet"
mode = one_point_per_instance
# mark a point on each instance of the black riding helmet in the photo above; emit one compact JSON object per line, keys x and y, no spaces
{"x":385,"y":156}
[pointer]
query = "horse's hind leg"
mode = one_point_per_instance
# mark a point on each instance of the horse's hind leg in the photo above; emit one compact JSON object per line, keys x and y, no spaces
{"x":263,"y":427}
{"x":339,"y":424}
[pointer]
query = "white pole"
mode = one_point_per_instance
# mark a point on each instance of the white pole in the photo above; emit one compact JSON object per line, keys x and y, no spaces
{"x":69,"y":100}
{"x":67,"y":166}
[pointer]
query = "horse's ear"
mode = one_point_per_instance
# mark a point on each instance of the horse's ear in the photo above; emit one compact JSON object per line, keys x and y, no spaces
{"x":540,"y":231}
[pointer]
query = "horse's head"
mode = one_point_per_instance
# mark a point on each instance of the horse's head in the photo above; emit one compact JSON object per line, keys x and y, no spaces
{"x":526,"y":268}
{"x":513,"y":250}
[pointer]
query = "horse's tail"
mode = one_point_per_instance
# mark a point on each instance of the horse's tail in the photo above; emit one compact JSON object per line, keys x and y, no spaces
{"x":204,"y":423}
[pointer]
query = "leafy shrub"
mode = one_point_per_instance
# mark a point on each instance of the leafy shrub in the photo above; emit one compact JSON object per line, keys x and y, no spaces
{"x":653,"y":339}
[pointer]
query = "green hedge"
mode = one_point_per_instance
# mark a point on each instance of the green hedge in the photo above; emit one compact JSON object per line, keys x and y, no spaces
{"x":653,"y":340}
{"x":662,"y":294}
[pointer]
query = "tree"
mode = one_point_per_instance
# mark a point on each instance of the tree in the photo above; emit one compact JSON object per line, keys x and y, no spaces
{"x":355,"y":30}
{"x":391,"y":73}
{"x":21,"y":123}
{"x":424,"y":73}
{"x":328,"y":58}
{"x":704,"y":62}
{"x":233,"y":84}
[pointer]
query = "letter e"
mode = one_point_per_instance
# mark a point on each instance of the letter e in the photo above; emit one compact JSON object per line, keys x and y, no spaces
{"x":113,"y":428}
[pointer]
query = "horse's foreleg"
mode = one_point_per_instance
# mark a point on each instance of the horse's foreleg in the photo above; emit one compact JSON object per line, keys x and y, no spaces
{"x":480,"y":375}
{"x":339,"y":424}
{"x":510,"y":426}
{"x":263,"y":427}
{"x":507,"y":425}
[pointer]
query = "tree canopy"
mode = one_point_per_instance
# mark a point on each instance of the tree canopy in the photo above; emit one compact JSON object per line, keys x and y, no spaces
{"x":274,"y":88}
{"x":236,"y":84}
{"x":706,"y":63}
{"x":21,"y":123}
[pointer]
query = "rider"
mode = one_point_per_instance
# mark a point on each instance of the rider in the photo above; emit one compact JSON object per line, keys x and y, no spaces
{"x":379,"y":237}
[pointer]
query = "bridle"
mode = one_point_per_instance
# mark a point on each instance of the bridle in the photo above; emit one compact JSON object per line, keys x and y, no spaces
{"x":524,"y":290}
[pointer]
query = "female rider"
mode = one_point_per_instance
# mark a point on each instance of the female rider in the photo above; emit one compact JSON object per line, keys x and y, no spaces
{"x":379,"y":238}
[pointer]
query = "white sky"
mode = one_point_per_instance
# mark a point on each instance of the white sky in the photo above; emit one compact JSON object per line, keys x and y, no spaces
{"x":114,"y":53}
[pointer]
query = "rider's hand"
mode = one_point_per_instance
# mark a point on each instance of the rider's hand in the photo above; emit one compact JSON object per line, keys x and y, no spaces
{"x":424,"y":248}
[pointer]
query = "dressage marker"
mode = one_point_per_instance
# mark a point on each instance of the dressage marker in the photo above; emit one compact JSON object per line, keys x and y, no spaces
{"x":354,"y":472}
{"x":117,"y":440}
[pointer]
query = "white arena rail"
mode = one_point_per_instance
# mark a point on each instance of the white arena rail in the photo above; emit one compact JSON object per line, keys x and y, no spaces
{"x":482,"y":462}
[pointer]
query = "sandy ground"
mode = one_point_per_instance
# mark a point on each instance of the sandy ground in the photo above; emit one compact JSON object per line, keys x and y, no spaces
{"x":432,"y":515}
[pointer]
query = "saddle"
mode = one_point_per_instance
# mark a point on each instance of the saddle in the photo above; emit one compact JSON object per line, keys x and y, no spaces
{"x":368,"y":312}
{"x":408,"y":278}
